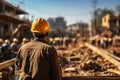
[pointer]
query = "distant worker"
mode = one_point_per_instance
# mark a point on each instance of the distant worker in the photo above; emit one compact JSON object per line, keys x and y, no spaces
{"x":5,"y":49}
{"x":24,"y":40}
{"x":14,"y":47}
{"x":1,"y":42}
{"x":37,"y":58}
{"x":1,"y":55}
{"x":109,"y":42}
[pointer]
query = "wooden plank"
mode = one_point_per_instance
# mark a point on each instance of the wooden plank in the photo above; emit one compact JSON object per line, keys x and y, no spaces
{"x":109,"y":54}
{"x":7,"y":63}
{"x":114,"y":71}
{"x":104,"y":54}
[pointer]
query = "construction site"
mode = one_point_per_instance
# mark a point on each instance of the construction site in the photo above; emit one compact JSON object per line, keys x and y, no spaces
{"x":84,"y":54}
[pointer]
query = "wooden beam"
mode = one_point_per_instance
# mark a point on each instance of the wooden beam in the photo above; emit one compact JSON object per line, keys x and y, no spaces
{"x":7,"y":63}
{"x":111,"y":58}
{"x":114,"y":71}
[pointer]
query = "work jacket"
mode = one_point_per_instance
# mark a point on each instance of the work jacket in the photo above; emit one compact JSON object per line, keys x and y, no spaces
{"x":39,"y":59}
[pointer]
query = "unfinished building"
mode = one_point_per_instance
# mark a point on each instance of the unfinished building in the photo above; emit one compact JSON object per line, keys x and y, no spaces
{"x":10,"y":23}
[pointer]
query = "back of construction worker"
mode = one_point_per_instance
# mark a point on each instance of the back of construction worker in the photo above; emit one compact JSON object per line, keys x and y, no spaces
{"x":37,"y":58}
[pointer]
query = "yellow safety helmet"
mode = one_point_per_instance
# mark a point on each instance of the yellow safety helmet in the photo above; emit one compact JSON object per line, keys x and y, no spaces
{"x":15,"y":40}
{"x":7,"y":41}
{"x":25,"y":40}
{"x":1,"y":41}
{"x":40,"y":25}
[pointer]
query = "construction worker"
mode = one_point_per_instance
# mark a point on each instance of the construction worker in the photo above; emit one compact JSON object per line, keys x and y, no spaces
{"x":24,"y":41}
{"x":14,"y":46}
{"x":1,"y":42}
{"x":1,"y":55}
{"x":37,"y":58}
{"x":5,"y":49}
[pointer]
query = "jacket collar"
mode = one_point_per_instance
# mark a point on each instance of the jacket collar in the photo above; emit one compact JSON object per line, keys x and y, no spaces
{"x":40,"y":39}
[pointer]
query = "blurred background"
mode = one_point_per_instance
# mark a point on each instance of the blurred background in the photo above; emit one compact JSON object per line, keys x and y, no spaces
{"x":85,"y":33}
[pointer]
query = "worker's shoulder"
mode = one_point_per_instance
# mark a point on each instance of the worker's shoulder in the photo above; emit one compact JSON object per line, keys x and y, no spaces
{"x":25,"y":45}
{"x":45,"y":45}
{"x":36,"y":44}
{"x":41,"y":43}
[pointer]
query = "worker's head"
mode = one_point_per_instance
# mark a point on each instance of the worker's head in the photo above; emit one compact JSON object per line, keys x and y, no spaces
{"x":7,"y":41}
{"x":25,"y":40}
{"x":15,"y":40}
{"x":1,"y":41}
{"x":40,"y":28}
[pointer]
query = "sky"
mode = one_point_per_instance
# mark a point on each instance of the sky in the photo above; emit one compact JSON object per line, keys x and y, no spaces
{"x":72,"y":11}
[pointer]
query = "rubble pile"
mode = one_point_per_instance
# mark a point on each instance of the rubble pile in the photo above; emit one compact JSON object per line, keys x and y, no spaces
{"x":79,"y":60}
{"x":85,"y":62}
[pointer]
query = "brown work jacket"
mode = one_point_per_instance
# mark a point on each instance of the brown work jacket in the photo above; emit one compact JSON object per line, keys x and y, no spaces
{"x":39,"y":59}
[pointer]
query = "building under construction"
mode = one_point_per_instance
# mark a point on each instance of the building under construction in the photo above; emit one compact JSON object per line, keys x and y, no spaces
{"x":11,"y":24}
